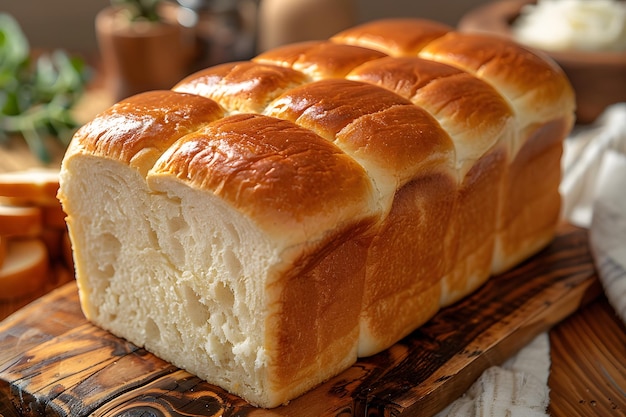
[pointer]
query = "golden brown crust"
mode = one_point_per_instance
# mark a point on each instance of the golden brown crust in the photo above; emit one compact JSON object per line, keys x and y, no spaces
{"x":139,"y":129}
{"x":327,"y":106}
{"x":515,"y":71}
{"x":530,"y":203}
{"x":282,"y":175}
{"x":321,"y":59}
{"x":403,"y":75}
{"x":470,"y":241}
{"x":327,"y":318}
{"x":369,"y":122}
{"x":540,"y":96}
{"x":480,"y":122}
{"x":405,"y":140}
{"x":242,"y":86}
{"x":474,"y":113}
{"x":406,"y":262}
{"x":401,"y":36}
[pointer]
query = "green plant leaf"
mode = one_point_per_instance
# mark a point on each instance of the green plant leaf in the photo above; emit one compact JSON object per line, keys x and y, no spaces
{"x":14,"y":48}
{"x":36,"y":96}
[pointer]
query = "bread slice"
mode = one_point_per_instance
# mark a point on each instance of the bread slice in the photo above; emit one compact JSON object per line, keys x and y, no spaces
{"x":20,"y":221}
{"x":36,"y":186}
{"x":24,"y":270}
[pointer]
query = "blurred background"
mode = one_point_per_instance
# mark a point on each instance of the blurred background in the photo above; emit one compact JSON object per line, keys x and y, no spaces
{"x":69,"y":24}
{"x":54,"y":51}
{"x":197,"y":33}
{"x":124,"y":53}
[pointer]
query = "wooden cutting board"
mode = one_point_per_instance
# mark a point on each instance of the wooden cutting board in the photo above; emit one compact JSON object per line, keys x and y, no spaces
{"x":52,"y":361}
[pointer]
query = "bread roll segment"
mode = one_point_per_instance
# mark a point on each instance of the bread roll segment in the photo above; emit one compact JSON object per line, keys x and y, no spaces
{"x":314,"y":204}
{"x":242,"y":86}
{"x":394,"y":37}
{"x":319,"y":59}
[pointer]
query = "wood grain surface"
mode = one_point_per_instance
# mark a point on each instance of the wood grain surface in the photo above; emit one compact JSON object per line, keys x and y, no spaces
{"x":53,"y":362}
{"x":588,"y":373}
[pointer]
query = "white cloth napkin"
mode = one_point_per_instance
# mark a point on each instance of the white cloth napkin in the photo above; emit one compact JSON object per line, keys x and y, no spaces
{"x":594,"y":190}
{"x":518,"y":388}
{"x":594,"y":196}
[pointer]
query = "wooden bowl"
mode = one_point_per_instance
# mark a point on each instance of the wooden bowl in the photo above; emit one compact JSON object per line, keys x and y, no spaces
{"x":598,"y":78}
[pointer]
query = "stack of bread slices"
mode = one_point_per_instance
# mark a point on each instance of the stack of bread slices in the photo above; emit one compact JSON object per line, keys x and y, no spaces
{"x":35,"y":254}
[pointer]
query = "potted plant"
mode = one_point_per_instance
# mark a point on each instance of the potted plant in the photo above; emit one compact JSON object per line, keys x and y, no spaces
{"x":140,"y":50}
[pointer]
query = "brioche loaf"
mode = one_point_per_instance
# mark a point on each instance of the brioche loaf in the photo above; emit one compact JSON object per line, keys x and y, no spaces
{"x":264,"y":223}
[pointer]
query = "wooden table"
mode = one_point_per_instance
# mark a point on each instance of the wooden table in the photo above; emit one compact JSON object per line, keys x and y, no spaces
{"x":588,"y":374}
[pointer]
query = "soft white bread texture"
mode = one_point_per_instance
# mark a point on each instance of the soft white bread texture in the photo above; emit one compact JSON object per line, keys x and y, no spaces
{"x":266,"y":222}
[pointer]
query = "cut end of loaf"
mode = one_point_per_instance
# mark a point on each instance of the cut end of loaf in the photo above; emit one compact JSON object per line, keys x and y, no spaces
{"x":172,"y":281}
